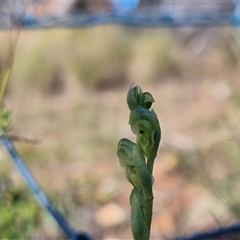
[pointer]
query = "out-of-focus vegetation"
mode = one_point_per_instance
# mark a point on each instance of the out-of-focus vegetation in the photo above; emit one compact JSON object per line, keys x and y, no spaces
{"x":20,"y":214}
{"x":68,"y":89}
{"x":98,"y":57}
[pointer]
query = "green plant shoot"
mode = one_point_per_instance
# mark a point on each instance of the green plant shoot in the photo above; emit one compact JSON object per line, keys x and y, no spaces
{"x":5,"y":119}
{"x":138,"y":159}
{"x":5,"y":114}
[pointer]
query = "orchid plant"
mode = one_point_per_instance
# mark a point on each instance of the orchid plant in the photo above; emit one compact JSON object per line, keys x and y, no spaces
{"x":138,"y":159}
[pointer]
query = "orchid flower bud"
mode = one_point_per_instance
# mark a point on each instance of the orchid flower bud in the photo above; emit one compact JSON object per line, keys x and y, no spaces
{"x":129,"y":153}
{"x":136,"y":98}
{"x":144,"y":123}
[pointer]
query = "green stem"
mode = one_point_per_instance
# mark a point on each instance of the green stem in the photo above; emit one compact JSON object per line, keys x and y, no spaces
{"x":140,"y":229}
{"x":146,"y":180}
{"x":148,"y":212}
{"x":149,"y":198}
{"x":150,"y":163}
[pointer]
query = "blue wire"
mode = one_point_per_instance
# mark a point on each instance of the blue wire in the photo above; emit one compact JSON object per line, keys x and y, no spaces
{"x":135,"y":19}
{"x":123,"y":12}
{"x":39,"y":193}
{"x":213,"y":233}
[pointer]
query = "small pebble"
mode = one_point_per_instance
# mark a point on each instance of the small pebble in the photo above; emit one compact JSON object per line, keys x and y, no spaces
{"x":110,"y":215}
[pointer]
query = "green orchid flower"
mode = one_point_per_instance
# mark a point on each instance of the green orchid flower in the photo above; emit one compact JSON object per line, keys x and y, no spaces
{"x":145,"y":125}
{"x":136,"y":97}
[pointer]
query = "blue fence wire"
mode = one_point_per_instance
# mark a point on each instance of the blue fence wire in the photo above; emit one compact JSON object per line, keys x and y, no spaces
{"x":141,"y":20}
{"x":125,"y":13}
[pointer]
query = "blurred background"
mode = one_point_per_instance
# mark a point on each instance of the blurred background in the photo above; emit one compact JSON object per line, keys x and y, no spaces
{"x":68,"y":90}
